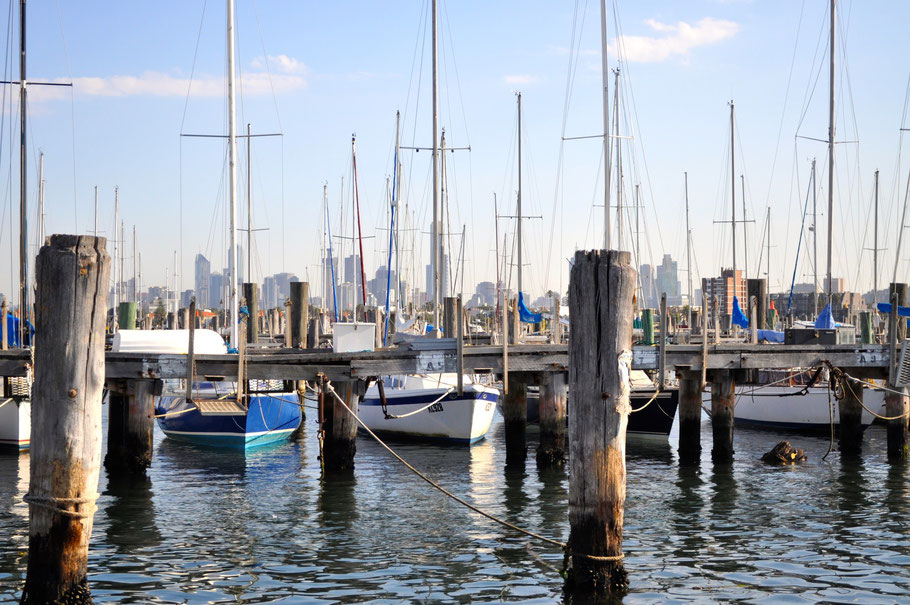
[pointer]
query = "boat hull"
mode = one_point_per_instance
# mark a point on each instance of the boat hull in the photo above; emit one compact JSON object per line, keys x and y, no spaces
{"x":780,"y":408}
{"x":15,"y":423}
{"x":270,"y":418}
{"x":457,"y":419}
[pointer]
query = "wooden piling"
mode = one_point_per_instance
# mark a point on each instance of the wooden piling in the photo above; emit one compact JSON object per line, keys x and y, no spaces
{"x":300,"y":308}
{"x":897,"y":406}
{"x":314,"y":333}
{"x":251,"y":294}
{"x":130,"y":426}
{"x":850,"y":414}
{"x":551,"y":407}
{"x":4,"y":326}
{"x":73,"y":273}
{"x":288,"y":339}
{"x":515,"y":418}
{"x":340,"y":426}
{"x":723,"y":400}
{"x":601,"y":286}
{"x":448,"y":316}
{"x":690,"y":402}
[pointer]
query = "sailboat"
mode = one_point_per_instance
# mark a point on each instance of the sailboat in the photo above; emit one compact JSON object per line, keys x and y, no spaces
{"x":220,"y":413}
{"x":429,"y":406}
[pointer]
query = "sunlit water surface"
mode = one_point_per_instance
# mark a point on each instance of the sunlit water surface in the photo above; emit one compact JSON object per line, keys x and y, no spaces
{"x":218,"y":526}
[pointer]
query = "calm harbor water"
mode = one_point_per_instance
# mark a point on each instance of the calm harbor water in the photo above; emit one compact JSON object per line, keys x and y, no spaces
{"x":214,"y":526}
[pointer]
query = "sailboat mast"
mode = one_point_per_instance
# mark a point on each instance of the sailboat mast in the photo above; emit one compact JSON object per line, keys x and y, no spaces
{"x":232,"y":162}
{"x":249,"y":203}
{"x":733,"y":194}
{"x":768,"y":262}
{"x":117,"y":244}
{"x":519,"y":194}
{"x":688,"y":242}
{"x":875,"y":247}
{"x":618,"y":160}
{"x":95,"y":224}
{"x":496,"y":242}
{"x":608,"y":160}
{"x":828,"y":284}
{"x":434,"y":235}
{"x":814,"y":243}
{"x":325,"y":275}
{"x":23,"y":183}
{"x":742,"y":180}
{"x":41,"y":200}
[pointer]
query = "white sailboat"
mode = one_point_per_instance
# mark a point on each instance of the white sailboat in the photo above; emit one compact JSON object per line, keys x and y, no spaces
{"x":429,"y":406}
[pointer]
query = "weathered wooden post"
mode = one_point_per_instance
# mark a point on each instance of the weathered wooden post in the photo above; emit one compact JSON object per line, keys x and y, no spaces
{"x":251,"y":294}
{"x":662,"y":343}
{"x":516,"y":322}
{"x":4,"y":326}
{"x":448,"y":316}
{"x":72,"y":285}
{"x":601,"y":285}
{"x":723,"y":400}
{"x":757,"y":295}
{"x":340,"y":427}
{"x":850,"y":412}
{"x":515,"y":417}
{"x":690,"y":402}
{"x":127,"y":318}
{"x":552,"y":412}
{"x":300,"y":309}
{"x":315,"y":331}
{"x":288,"y":339}
{"x":897,"y":406}
{"x":130,"y":426}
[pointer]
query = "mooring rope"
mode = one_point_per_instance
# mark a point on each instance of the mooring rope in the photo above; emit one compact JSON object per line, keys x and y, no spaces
{"x":427,"y":406}
{"x":650,"y":401}
{"x":55,"y":504}
{"x":331,"y":389}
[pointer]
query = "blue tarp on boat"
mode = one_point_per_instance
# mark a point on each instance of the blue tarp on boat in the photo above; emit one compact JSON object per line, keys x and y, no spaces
{"x":739,"y":318}
{"x":12,"y":331}
{"x":525,"y":314}
{"x":770,"y":336}
{"x":886,"y":308}
{"x":825,"y":320}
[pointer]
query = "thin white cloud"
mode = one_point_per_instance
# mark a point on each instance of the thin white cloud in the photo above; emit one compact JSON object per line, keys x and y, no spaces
{"x":520,"y":79}
{"x":158,"y":84}
{"x":281,"y":63}
{"x":679,"y":40}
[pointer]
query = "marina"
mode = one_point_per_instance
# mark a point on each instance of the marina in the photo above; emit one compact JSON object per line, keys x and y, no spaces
{"x":419,"y":379}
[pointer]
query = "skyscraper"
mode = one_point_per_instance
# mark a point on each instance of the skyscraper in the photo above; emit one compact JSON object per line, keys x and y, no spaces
{"x":203,"y":281}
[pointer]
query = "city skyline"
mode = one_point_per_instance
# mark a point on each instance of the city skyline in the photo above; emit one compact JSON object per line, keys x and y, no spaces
{"x":706,"y":52}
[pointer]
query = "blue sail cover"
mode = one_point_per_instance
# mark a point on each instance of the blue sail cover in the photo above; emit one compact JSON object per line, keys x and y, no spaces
{"x":886,"y":308}
{"x":12,"y":331}
{"x":524,"y":314}
{"x":825,"y":321}
{"x":739,"y":318}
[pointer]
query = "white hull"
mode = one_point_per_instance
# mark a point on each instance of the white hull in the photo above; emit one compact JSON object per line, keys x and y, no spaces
{"x":766,"y":407}
{"x":463,"y":419}
{"x":15,"y":423}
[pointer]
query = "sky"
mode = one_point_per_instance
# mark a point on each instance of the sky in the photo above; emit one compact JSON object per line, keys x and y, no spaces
{"x":319,"y":73}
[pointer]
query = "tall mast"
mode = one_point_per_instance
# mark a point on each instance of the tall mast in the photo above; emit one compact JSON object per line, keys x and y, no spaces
{"x":23,"y":183}
{"x":814,"y":242}
{"x":249,"y":203}
{"x":768,"y":260}
{"x":95,"y":225}
{"x":325,"y":275}
{"x":519,"y":193}
{"x":117,"y":244}
{"x":875,"y":247}
{"x":434,"y":231}
{"x":41,"y":199}
{"x":608,"y":160}
{"x":688,"y":242}
{"x":742,"y":180}
{"x":828,"y":285}
{"x":392,"y":239}
{"x":618,"y":159}
{"x":135,"y":268}
{"x":733,"y":195}
{"x":496,"y":241}
{"x":232,"y":159}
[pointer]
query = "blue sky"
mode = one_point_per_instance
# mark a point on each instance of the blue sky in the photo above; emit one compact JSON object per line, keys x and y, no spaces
{"x":337,"y":68}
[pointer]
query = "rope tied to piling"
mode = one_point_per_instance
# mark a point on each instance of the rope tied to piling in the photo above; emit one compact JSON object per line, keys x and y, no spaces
{"x":331,"y":389}
{"x":56,"y":505}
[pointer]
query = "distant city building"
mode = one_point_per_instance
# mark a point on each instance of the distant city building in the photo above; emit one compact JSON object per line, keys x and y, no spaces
{"x":486,"y":293}
{"x":668,"y":281}
{"x":721,"y":290}
{"x":202,"y":281}
{"x":185,"y":298}
{"x":216,"y":291}
{"x":648,"y":287}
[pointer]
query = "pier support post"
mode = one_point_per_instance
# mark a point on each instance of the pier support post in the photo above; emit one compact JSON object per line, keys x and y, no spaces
{"x":690,"y":402}
{"x":73,"y":273}
{"x":723,"y":399}
{"x":314,"y":331}
{"x":340,"y":426}
{"x":850,"y":414}
{"x":448,"y":316}
{"x":300,"y":309}
{"x":552,"y":412}
{"x":515,"y":417}
{"x":251,"y":294}
{"x":601,"y":286}
{"x":895,"y":404}
{"x":130,"y":425}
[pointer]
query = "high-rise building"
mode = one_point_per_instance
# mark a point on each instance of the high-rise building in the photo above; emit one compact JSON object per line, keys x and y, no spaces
{"x":216,"y":291}
{"x":668,"y":282}
{"x":723,"y":289}
{"x":648,"y":287}
{"x":202,"y":281}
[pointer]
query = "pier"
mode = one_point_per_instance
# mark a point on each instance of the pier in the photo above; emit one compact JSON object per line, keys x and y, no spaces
{"x":588,"y":366}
